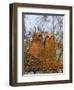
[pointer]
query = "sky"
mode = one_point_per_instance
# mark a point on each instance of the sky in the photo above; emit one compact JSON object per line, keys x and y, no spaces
{"x":43,"y":22}
{"x":32,"y":21}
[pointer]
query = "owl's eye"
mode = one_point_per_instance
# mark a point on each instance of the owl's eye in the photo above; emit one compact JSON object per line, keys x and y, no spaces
{"x":51,"y":36}
{"x":47,"y":36}
{"x":39,"y":35}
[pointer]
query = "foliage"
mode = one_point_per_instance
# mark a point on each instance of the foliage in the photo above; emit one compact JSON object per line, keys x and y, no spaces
{"x":43,"y":43}
{"x":40,"y":57}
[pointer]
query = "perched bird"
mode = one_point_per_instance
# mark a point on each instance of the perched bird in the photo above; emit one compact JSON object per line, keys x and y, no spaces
{"x":34,"y":45}
{"x":50,"y":45}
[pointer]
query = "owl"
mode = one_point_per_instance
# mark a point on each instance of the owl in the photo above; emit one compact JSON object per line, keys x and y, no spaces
{"x":49,"y":40}
{"x":49,"y":45}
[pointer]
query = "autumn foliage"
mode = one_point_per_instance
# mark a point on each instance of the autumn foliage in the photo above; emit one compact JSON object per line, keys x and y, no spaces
{"x":40,"y":55}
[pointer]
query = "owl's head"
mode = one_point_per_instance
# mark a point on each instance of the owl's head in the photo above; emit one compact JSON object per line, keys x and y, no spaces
{"x":40,"y":37}
{"x":49,"y":36}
